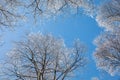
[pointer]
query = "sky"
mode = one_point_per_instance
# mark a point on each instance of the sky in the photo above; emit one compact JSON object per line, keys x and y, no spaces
{"x":69,"y":28}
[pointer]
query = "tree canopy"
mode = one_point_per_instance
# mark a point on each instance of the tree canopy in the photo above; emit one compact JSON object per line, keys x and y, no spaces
{"x":43,"y":57}
{"x":107,"y":53}
{"x":13,"y":10}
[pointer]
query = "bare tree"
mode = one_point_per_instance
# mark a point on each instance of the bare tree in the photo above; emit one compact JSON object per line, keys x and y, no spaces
{"x":53,"y":7}
{"x":12,"y":10}
{"x":9,"y":12}
{"x":107,"y":53}
{"x":108,"y":14}
{"x":43,"y":57}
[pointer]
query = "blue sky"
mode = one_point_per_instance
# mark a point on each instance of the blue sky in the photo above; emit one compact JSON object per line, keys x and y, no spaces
{"x":69,"y":28}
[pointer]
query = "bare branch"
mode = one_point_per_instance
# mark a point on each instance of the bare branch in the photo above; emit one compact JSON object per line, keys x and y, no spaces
{"x":42,"y":56}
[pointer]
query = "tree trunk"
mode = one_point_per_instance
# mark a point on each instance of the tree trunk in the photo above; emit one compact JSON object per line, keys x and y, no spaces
{"x":38,"y":76}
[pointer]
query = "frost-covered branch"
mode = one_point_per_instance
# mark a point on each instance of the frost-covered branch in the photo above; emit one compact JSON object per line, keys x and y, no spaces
{"x":108,"y":14}
{"x":43,"y":57}
{"x":107,"y":53}
{"x":9,"y":13}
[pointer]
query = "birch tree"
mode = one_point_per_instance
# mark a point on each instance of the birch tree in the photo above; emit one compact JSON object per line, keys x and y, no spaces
{"x":43,"y":57}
